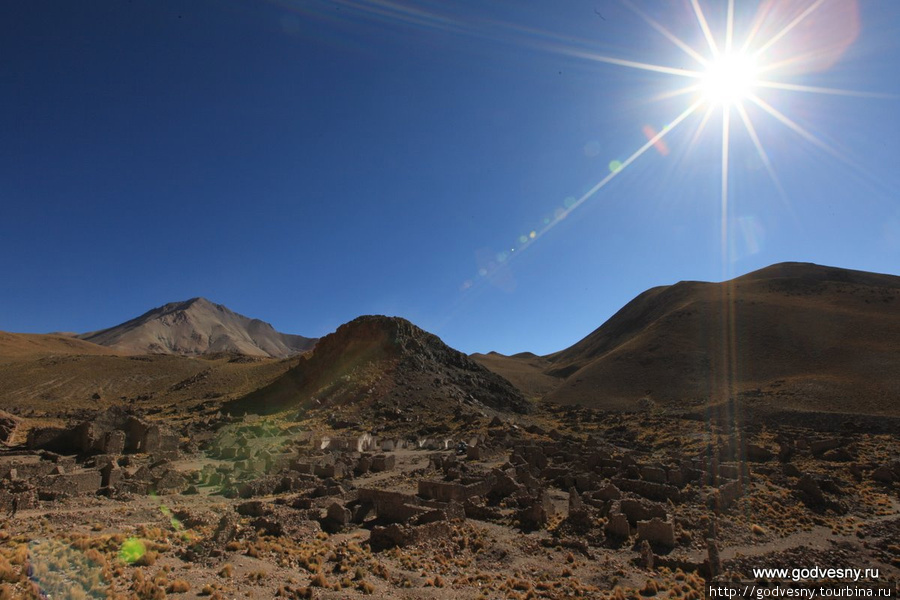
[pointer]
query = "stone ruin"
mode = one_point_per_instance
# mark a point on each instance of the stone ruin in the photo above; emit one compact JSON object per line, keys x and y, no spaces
{"x":112,"y":432}
{"x":615,"y":497}
{"x":113,"y":453}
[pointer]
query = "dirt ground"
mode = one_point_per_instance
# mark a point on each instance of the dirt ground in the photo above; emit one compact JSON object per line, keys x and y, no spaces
{"x":209,"y":543}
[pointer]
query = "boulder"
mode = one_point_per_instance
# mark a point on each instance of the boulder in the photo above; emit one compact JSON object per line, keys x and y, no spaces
{"x":810,"y":492}
{"x":885,"y":474}
{"x":819,"y":447}
{"x":226,"y":531}
{"x":337,"y":517}
{"x":654,"y":474}
{"x":838,"y":455}
{"x":575,"y":502}
{"x":9,"y":424}
{"x":253,"y":508}
{"x":791,"y":470}
{"x":646,"y":559}
{"x":171,"y":482}
{"x":756,"y":453}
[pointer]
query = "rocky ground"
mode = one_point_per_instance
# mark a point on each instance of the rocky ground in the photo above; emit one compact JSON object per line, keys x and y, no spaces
{"x":559,"y":503}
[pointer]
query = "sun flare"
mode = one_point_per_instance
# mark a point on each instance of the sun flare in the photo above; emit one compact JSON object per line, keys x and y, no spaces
{"x":738,"y":58}
{"x":729,"y":79}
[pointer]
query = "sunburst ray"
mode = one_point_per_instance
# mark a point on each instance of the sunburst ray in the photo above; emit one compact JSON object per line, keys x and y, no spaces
{"x":687,"y":49}
{"x":701,"y":127}
{"x":763,"y":155}
{"x":787,"y":28}
{"x":729,"y":26}
{"x":793,"y":87}
{"x":799,"y":130}
{"x":707,"y":33}
{"x":726,"y":119}
{"x":636,"y":64}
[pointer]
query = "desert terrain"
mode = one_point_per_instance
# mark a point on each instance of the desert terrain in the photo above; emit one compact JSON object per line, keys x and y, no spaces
{"x":704,"y":431}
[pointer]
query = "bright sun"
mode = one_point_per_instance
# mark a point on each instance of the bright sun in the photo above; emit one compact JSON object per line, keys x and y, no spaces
{"x":729,"y":79}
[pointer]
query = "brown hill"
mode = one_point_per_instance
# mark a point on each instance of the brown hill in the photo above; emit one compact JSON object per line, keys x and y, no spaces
{"x":378,"y":368}
{"x":525,"y":370}
{"x":17,"y":345}
{"x":790,"y":337}
{"x":198,"y":326}
{"x":58,"y":384}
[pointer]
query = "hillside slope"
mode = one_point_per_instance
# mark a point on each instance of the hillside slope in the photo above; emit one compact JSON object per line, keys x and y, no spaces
{"x":14,"y":346}
{"x":378,"y":368}
{"x":526,"y":371}
{"x":792,"y":337}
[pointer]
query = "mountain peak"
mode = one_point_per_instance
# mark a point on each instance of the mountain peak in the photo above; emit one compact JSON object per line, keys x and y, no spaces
{"x":198,"y":326}
{"x":197,"y":302}
{"x":811,"y":272}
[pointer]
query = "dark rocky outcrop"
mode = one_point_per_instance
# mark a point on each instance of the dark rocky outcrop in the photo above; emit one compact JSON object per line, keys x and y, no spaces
{"x":384,"y":366}
{"x":8,"y":425}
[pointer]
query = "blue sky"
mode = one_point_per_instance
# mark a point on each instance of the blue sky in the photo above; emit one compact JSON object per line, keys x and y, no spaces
{"x":307,"y":162}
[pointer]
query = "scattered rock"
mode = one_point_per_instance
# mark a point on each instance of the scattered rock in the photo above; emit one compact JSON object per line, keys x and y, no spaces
{"x":8,"y":425}
{"x":646,"y":555}
{"x":810,"y":492}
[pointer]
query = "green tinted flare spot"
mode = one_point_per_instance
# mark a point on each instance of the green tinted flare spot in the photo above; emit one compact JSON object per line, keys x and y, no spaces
{"x":132,"y":550}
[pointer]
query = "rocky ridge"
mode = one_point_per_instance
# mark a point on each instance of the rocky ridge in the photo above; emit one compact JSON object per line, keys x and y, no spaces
{"x":383,"y":366}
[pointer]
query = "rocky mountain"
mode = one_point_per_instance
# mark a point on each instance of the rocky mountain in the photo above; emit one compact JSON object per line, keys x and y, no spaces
{"x":381,"y":368}
{"x":789,"y":337}
{"x":198,"y":326}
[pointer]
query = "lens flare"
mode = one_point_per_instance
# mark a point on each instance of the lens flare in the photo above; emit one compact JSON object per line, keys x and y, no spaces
{"x":132,"y":550}
{"x":660,"y":145}
{"x":737,"y":61}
